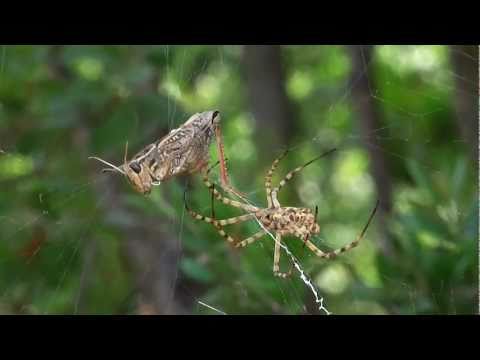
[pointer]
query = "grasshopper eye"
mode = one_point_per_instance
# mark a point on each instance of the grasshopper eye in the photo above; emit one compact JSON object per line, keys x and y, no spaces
{"x":215,"y":115}
{"x":135,"y":167}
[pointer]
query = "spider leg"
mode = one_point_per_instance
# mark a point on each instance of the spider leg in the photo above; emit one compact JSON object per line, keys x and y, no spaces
{"x":215,"y":223}
{"x":354,"y":243}
{"x":308,"y":235}
{"x":276,"y":259}
{"x":225,"y":200}
{"x":218,"y":224}
{"x":291,"y":174}
{"x":229,"y":221}
{"x":207,"y":171}
{"x":303,"y":251}
{"x":251,"y":239}
{"x":222,"y":232}
{"x":268,"y":177}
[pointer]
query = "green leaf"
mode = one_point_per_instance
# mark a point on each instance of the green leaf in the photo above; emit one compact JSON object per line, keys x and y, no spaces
{"x":196,"y":271}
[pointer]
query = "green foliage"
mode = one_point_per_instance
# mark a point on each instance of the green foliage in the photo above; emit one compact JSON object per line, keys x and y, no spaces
{"x":60,"y":252}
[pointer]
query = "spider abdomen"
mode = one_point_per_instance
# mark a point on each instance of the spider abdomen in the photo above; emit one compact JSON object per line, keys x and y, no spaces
{"x":290,"y":221}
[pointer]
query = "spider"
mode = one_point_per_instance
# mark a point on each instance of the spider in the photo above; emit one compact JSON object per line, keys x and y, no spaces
{"x":279,"y":220}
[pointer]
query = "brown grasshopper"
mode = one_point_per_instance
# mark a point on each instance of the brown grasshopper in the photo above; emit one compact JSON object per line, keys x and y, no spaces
{"x":183,"y":151}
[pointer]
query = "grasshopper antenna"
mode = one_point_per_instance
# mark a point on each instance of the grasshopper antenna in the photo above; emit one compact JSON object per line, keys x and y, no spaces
{"x":112,"y":167}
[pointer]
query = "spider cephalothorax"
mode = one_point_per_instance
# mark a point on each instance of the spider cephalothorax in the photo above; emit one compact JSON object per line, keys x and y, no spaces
{"x":184,"y":150}
{"x":275,"y":219}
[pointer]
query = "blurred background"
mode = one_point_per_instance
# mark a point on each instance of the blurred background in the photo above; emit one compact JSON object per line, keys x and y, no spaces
{"x":76,"y":241}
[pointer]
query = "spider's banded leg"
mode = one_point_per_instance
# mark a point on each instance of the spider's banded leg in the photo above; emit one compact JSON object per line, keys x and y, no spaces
{"x":291,"y":174}
{"x":223,"y":233}
{"x":207,"y":172}
{"x":218,"y":224}
{"x":268,"y":177}
{"x":229,"y":221}
{"x":225,"y":200}
{"x":215,"y":223}
{"x":276,"y":259}
{"x":303,"y":251}
{"x":354,"y":243}
{"x":250,"y":239}
{"x":308,"y":235}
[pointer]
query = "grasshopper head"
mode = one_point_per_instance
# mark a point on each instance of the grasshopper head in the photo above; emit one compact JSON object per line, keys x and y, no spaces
{"x":136,"y":173}
{"x":138,"y":176}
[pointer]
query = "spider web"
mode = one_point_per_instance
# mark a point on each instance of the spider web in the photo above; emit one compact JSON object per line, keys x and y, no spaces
{"x":83,"y":241}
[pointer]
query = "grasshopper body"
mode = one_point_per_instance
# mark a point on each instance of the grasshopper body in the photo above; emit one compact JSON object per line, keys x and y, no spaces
{"x":183,"y":151}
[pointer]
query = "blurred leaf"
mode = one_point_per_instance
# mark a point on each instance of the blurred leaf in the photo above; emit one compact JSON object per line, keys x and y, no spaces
{"x":196,"y":271}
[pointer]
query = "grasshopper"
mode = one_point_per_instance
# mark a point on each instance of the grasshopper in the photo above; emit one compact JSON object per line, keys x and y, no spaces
{"x":183,"y":151}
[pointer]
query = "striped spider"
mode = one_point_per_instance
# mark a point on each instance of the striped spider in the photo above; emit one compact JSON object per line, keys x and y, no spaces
{"x":276,"y":219}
